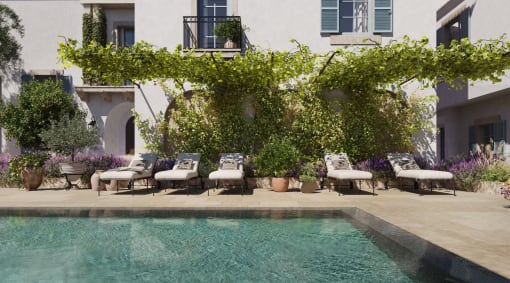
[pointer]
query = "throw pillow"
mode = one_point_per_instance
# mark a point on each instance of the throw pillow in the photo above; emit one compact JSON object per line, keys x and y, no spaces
{"x":408,"y":164}
{"x":340,"y":164}
{"x":185,"y":164}
{"x":229,"y":164}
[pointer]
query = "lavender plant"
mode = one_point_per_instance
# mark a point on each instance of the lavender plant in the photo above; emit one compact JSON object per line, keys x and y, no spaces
{"x":379,"y":166}
{"x":4,"y":170}
{"x":468,"y":171}
{"x":505,"y":192}
{"x":93,"y":163}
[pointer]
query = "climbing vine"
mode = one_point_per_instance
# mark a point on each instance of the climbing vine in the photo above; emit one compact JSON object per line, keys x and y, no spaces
{"x":351,"y":100}
{"x":93,"y":32}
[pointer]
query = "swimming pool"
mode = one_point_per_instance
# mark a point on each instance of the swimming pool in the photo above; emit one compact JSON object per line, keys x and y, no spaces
{"x":270,"y":246}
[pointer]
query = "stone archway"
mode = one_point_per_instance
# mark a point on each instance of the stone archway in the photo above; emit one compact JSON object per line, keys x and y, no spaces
{"x":115,"y":128}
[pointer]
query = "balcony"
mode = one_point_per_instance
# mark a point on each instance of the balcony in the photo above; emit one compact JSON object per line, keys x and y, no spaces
{"x":199,"y":34}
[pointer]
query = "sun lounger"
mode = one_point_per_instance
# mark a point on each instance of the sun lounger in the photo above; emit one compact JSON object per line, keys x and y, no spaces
{"x":231,"y":168}
{"x":185,"y":169}
{"x":140,"y":168}
{"x":339,"y":168}
{"x":405,"y":166}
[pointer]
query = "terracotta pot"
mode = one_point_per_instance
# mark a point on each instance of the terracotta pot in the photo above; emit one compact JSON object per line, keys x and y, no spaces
{"x":32,"y":178}
{"x":280,"y":184}
{"x":230,"y":44}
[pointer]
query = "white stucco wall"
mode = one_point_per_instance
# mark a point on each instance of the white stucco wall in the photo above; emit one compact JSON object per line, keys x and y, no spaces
{"x":44,"y":23}
{"x":271,"y":25}
{"x":167,"y":17}
{"x":481,"y":99}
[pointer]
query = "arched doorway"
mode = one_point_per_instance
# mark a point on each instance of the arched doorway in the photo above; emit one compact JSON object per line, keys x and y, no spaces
{"x":115,"y":128}
{"x":130,"y":136}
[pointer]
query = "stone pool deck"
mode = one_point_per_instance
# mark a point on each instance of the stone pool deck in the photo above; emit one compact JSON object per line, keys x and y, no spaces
{"x":472,"y":225}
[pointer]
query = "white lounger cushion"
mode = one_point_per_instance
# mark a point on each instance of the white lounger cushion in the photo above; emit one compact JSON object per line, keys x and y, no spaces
{"x":176,"y":175}
{"x":229,"y":174}
{"x":349,"y":175}
{"x":125,"y":175}
{"x":425,"y":174}
{"x":226,"y":175}
{"x":344,"y":174}
{"x":400,"y":160}
{"x":140,"y":167}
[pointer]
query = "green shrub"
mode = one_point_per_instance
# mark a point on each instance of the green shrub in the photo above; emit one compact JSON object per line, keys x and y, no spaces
{"x":38,"y":104}
{"x":498,"y":171}
{"x":277,"y":158}
{"x":309,"y":172}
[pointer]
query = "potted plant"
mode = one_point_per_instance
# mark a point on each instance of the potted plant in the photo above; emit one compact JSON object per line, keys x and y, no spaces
{"x":231,"y":31}
{"x":27,"y":170}
{"x":276,"y":160}
{"x":67,"y":136}
{"x":309,"y":177}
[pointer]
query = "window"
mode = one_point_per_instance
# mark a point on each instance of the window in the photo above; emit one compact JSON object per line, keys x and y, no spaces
{"x":126,"y":36}
{"x":442,"y":145}
{"x":67,"y":81}
{"x":488,"y":137}
{"x":356,"y":16}
{"x":456,"y":29}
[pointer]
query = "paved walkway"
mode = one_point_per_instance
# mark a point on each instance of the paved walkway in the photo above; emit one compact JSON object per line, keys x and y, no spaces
{"x":472,"y":225}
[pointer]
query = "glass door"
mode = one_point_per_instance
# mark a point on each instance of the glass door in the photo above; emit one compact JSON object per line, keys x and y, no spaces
{"x":208,"y":10}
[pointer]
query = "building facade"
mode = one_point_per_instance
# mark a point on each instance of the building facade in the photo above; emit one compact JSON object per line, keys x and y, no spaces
{"x":323,"y":25}
{"x":473,"y":119}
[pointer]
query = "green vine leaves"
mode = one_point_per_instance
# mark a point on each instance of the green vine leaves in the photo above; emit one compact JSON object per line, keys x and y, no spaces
{"x":348,"y":99}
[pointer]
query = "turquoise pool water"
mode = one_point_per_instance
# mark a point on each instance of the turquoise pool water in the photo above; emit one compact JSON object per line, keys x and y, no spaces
{"x":197,"y":249}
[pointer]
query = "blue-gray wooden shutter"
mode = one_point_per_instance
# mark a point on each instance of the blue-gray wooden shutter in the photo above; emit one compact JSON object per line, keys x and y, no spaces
{"x":473,"y":139}
{"x":26,"y":78}
{"x":464,"y":24}
{"x":329,"y":16}
{"x":67,"y":83}
{"x":440,"y":38}
{"x":383,"y":16}
{"x":346,"y":14}
{"x":499,"y":137}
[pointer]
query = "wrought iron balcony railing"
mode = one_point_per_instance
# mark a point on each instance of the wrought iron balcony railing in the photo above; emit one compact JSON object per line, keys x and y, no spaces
{"x":212,"y":32}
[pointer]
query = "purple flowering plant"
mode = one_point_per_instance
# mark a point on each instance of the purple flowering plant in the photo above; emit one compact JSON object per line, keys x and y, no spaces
{"x":467,"y":170}
{"x":4,"y":170}
{"x":93,"y":162}
{"x":380,"y":167}
{"x":505,"y":192}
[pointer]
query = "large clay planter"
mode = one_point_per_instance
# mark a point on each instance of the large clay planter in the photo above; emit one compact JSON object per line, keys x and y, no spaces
{"x":280,"y":184}
{"x":32,"y":178}
{"x":95,"y":183}
{"x":309,"y":187}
